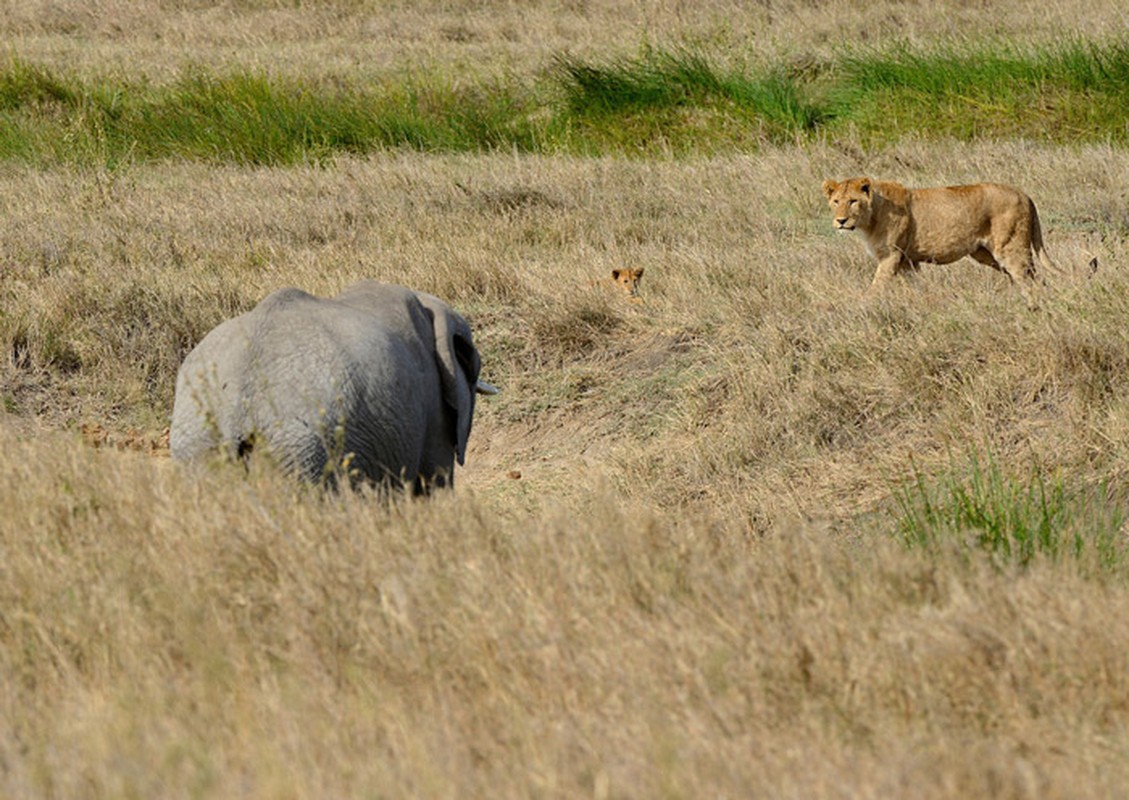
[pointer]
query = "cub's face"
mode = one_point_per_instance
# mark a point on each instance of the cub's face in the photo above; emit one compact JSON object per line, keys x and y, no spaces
{"x":628,"y":279}
{"x":850,"y":202}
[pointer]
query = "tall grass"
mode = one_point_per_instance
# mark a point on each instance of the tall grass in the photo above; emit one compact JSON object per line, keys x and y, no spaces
{"x":679,"y":78}
{"x":658,"y":575}
{"x":167,"y":634}
{"x":1077,"y":91}
{"x":244,"y":118}
{"x":675,"y":99}
{"x":1013,"y":518}
{"x":1076,"y":65}
{"x":640,"y":586}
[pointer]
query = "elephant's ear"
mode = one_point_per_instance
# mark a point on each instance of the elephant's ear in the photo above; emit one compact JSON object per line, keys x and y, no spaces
{"x":459,"y":365}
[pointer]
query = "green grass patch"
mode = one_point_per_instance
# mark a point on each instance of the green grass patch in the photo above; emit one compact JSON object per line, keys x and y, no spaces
{"x":1076,"y":92}
{"x":979,"y":507}
{"x":680,"y":100}
{"x":674,"y":100}
{"x":679,"y":79}
{"x":244,"y":118}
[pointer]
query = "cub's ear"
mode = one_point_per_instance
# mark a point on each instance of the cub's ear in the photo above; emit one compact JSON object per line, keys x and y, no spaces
{"x":639,"y":272}
{"x":829,"y":187}
{"x":615,"y":274}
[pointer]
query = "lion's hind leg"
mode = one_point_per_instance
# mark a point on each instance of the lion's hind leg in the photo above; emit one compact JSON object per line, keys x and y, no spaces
{"x":984,"y":256}
{"x":1020,"y":267}
{"x":1020,"y":270}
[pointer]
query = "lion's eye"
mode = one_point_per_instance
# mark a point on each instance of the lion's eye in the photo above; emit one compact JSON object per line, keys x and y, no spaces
{"x":854,"y":202}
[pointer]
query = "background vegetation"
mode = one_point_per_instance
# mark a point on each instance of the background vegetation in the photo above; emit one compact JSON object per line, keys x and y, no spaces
{"x":673,"y":100}
{"x":757,"y":536}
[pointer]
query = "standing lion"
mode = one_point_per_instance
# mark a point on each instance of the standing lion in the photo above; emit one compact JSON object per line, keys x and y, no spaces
{"x":995,"y":224}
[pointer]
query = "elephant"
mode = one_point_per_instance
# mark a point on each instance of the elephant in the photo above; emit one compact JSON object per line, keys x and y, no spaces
{"x":377,"y":384}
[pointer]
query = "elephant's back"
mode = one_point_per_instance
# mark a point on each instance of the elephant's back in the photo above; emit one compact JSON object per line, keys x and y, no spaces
{"x":304,"y":375}
{"x":330,"y":345}
{"x":387,"y":385}
{"x":234,"y":372}
{"x":207,"y":385}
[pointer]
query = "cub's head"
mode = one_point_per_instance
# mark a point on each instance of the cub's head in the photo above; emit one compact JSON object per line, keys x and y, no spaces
{"x":850,"y":202}
{"x":628,"y":278}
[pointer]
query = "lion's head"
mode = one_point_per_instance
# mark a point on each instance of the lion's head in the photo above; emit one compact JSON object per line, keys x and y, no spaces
{"x":850,"y":202}
{"x":628,"y":278}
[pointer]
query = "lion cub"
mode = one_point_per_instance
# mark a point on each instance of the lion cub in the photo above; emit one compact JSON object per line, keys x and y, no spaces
{"x":626,"y":279}
{"x":995,"y":224}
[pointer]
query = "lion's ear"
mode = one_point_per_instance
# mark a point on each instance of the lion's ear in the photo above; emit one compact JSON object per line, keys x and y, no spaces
{"x":615,"y":274}
{"x":864,"y":186}
{"x":829,"y":187}
{"x":639,"y":272}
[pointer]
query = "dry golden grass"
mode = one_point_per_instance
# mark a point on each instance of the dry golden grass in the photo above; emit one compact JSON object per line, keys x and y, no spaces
{"x":691,"y":588}
{"x":682,"y":593}
{"x":159,"y":38}
{"x":213,"y":637}
{"x":754,"y":377}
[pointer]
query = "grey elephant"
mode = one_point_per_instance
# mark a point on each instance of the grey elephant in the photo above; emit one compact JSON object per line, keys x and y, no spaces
{"x":377,"y":384}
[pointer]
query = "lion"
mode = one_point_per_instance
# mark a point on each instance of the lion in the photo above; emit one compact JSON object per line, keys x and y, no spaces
{"x":995,"y":224}
{"x":97,"y":436}
{"x":626,"y":279}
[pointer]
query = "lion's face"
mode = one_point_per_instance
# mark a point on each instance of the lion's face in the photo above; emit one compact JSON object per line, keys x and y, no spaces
{"x":627,"y":278}
{"x":850,"y":202}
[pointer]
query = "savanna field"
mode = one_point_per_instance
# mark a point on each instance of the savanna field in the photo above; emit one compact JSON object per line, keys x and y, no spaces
{"x":760,"y":535}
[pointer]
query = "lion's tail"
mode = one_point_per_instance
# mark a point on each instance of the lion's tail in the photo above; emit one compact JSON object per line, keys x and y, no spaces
{"x":1045,"y":259}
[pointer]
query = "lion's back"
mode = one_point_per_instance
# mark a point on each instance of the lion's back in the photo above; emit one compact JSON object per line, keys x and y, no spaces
{"x":966,"y":214}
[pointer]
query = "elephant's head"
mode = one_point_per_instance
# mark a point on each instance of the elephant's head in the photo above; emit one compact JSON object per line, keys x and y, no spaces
{"x":459,"y":365}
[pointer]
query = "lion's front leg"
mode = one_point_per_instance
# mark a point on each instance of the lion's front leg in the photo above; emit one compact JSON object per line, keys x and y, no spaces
{"x":887,"y":267}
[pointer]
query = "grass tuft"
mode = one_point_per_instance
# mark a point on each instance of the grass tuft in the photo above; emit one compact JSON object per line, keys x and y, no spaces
{"x":23,"y":84}
{"x":660,"y":81}
{"x":1012,"y":519}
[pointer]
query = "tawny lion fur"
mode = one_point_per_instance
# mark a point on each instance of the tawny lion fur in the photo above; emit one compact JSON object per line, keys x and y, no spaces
{"x":995,"y":224}
{"x":626,"y":279}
